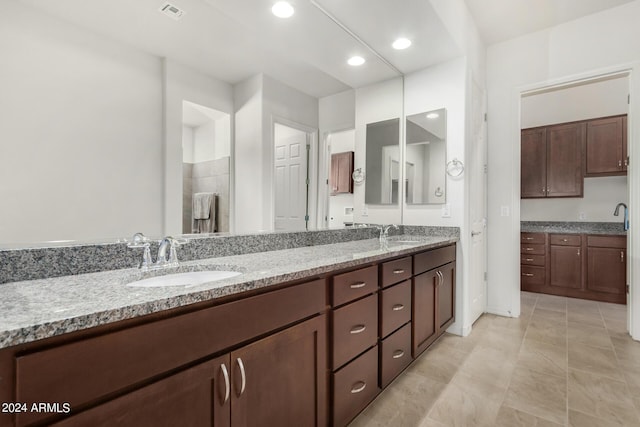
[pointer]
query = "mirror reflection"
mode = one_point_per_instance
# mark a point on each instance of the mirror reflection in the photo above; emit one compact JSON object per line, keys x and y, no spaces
{"x":426,"y":157}
{"x":382,"y":162}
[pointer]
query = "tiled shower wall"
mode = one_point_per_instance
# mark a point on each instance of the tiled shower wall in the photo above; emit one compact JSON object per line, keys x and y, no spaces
{"x":210,"y":177}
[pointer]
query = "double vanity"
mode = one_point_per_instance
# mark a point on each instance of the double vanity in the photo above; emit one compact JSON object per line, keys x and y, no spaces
{"x":305,"y":336}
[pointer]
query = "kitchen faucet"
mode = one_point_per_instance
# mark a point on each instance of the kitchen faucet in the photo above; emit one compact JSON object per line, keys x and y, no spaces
{"x":626,"y":214}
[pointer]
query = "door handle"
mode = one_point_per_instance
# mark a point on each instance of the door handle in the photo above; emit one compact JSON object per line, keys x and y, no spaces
{"x":227,"y":385}
{"x":243,"y":376}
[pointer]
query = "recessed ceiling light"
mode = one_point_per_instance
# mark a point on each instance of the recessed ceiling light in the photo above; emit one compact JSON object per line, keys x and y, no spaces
{"x":401,"y":43}
{"x":282,"y":9}
{"x":355,"y":61}
{"x":433,"y":115}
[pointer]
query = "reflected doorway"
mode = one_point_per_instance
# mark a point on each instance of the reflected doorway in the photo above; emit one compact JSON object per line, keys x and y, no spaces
{"x":206,"y":154}
{"x":340,"y":202}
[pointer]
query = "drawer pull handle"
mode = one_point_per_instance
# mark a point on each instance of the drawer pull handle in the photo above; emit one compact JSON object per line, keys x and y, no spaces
{"x":528,"y":238}
{"x":621,"y":256}
{"x":565,"y":240}
{"x":398,"y":354}
{"x":358,"y":387}
{"x":358,"y":285}
{"x":227,"y":386}
{"x":398,"y":307}
{"x":398,"y":271}
{"x":528,"y":274}
{"x":528,"y":249}
{"x":358,"y":329}
{"x":528,"y":259}
{"x":242,"y":375}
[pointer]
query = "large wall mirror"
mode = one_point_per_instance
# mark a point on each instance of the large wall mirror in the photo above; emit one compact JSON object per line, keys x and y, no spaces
{"x":426,"y":158}
{"x":382,"y":171}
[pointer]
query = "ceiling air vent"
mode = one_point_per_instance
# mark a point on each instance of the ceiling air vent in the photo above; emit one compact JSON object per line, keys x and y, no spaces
{"x":172,"y":11}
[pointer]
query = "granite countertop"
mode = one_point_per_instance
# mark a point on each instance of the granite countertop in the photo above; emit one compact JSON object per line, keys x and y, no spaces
{"x":573,"y":227}
{"x":38,"y":309}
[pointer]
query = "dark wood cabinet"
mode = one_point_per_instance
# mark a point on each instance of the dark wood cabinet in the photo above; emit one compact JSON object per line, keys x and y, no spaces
{"x":533,"y":163}
{"x":607,"y":266}
{"x":575,"y":265}
{"x":446,"y":296}
{"x":606,"y":148}
{"x":551,"y":161}
{"x":340,"y":179}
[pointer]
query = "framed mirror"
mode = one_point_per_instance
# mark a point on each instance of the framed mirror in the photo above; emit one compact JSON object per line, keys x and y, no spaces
{"x":382,"y":166}
{"x":426,"y":158}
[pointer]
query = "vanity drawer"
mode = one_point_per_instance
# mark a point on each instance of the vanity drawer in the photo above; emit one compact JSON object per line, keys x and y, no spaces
{"x":355,"y":329}
{"x":395,"y":354}
{"x":429,"y":260}
{"x":354,"y":386}
{"x":532,"y":238}
{"x":527,"y":259}
{"x":532,"y":275}
{"x":83,"y":371}
{"x":396,"y":271}
{"x":565,"y":239}
{"x":617,"y":242}
{"x":395,"y":307}
{"x":354,"y":284}
{"x":531,"y":249}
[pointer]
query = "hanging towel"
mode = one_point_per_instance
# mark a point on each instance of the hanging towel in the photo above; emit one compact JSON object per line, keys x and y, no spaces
{"x":202,"y":205}
{"x":204,"y":213}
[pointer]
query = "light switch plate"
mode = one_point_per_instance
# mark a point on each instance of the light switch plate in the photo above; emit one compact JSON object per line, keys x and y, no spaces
{"x":582,"y":215}
{"x":446,"y":210}
{"x":504,"y":210}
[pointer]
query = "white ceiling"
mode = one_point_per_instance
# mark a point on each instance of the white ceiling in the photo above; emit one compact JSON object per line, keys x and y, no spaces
{"x":235,"y":39}
{"x":500,"y":20}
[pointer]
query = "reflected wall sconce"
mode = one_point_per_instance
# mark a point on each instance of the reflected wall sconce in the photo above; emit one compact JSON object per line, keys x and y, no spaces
{"x":455,"y":168}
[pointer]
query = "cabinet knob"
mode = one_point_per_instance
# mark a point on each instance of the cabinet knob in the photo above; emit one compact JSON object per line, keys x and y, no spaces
{"x":358,"y":387}
{"x":358,"y":285}
{"x":578,"y":252}
{"x":619,"y":163}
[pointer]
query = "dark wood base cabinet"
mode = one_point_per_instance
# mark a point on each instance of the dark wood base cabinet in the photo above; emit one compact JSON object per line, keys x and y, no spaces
{"x":305,"y":354}
{"x":575,"y":265}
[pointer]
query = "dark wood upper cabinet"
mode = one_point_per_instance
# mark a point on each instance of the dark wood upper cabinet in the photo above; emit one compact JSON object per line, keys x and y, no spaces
{"x":606,"y":148}
{"x":533,"y":162}
{"x":340,"y":180}
{"x":551,"y":161}
{"x":564,"y":160}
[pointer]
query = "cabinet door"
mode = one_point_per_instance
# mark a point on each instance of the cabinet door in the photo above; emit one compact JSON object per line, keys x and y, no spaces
{"x":605,"y":147}
{"x":565,"y":266}
{"x":445,"y":312}
{"x":533,"y":164}
{"x":281,"y":380}
{"x":564,"y":160}
{"x":196,"y":397}
{"x":607,"y":270}
{"x":341,"y":171}
{"x":424,"y":326}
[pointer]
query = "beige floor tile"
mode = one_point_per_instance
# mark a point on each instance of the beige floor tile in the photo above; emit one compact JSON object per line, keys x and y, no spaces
{"x":601,"y":397}
{"x":552,"y":302}
{"x":578,"y":419}
{"x":609,"y":309}
{"x":582,"y":305}
{"x":509,"y":417}
{"x":544,"y":396}
{"x":616,"y":328}
{"x":461,"y":344}
{"x":508,"y":341}
{"x":588,"y":335}
{"x":587,"y":318}
{"x":543,"y":357}
{"x":546,"y":331}
{"x":596,"y":360}
{"x":461,"y":406}
{"x":511,"y":323}
{"x":490,"y":366}
{"x":558,"y":317}
{"x":439,"y":365}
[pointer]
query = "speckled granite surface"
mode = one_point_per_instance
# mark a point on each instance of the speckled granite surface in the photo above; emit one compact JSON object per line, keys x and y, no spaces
{"x":573,"y":227}
{"x":37,"y":309}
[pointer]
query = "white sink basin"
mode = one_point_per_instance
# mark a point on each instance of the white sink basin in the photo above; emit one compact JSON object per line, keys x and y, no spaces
{"x":192,"y":278}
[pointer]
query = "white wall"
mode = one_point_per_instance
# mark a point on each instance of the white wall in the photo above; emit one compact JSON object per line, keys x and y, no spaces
{"x":375,"y":103}
{"x":182,"y":83}
{"x":587,"y":46}
{"x":80,"y":132}
{"x":187,"y":144}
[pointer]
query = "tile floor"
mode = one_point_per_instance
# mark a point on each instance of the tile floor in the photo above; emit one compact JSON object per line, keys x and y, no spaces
{"x":564,"y":362}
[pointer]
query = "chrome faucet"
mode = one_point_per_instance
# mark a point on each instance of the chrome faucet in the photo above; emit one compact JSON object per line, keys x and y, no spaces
{"x":384,"y":233}
{"x":139,"y":240}
{"x":169,"y":244}
{"x":626,"y":214}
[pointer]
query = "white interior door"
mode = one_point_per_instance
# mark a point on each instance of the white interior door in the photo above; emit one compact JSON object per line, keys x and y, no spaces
{"x":291,"y":182}
{"x":478,"y":207}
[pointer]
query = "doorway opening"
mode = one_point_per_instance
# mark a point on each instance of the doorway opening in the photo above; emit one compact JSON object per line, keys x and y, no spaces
{"x":206,"y":156}
{"x":339,"y":205}
{"x":573,"y":175}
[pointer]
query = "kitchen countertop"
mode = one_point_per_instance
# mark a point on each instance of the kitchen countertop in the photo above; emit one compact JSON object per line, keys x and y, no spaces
{"x":573,"y":227}
{"x":38,"y":309}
